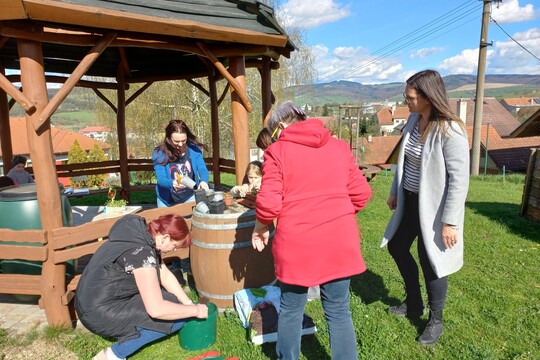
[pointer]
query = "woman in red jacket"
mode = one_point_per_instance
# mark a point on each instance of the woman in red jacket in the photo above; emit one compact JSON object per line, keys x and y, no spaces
{"x":313,"y":187}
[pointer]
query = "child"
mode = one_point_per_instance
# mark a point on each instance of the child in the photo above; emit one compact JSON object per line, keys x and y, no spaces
{"x":17,"y":172}
{"x":253,"y":176}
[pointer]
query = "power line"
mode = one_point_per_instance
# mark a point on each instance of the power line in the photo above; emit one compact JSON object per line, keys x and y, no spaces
{"x":452,"y":17}
{"x":514,"y":40}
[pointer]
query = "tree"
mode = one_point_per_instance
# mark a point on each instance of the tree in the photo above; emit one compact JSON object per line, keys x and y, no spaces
{"x":96,"y":155}
{"x":77,"y":155}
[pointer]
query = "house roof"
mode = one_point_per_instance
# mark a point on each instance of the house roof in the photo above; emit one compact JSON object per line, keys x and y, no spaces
{"x":90,"y":129}
{"x":493,"y":113}
{"x":385,"y":116}
{"x":377,"y":151}
{"x":158,"y":38}
{"x":524,"y":101}
{"x":530,"y":127}
{"x":62,"y":139}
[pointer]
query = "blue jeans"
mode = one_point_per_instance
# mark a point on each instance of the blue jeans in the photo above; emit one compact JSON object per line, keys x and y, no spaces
{"x":335,"y":301}
{"x":125,"y":349}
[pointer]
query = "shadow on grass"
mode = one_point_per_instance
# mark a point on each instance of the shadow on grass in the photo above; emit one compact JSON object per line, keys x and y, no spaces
{"x":508,"y":215}
{"x":370,"y":287}
{"x":311,"y":349}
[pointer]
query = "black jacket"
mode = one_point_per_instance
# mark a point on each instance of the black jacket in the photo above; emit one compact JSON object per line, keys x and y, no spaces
{"x":107,"y":300}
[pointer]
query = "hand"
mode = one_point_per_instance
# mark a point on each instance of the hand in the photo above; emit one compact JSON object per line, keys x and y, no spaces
{"x":392,"y":202}
{"x":259,"y":238}
{"x":449,"y":235}
{"x":177,"y":186}
{"x":203,"y":311}
{"x":203,"y":185}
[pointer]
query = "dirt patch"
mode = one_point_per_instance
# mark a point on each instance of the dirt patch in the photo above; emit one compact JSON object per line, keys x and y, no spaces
{"x":38,"y":349}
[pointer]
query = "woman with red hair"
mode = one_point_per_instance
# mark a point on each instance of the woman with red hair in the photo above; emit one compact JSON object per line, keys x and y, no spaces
{"x":127,"y":293}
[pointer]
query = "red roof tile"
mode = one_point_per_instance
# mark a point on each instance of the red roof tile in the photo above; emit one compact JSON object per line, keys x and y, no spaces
{"x":385,"y":117}
{"x":378,"y":150}
{"x":521,"y":101}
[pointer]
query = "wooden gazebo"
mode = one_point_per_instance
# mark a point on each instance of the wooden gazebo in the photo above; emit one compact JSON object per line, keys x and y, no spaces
{"x":124,"y":42}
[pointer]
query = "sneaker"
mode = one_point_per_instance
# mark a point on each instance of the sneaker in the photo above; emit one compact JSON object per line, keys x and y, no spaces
{"x":401,"y":310}
{"x":102,"y":355}
{"x":313,"y":293}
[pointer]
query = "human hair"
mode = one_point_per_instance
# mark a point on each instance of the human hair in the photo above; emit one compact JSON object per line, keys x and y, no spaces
{"x":19,"y":159}
{"x":6,"y":181}
{"x":264,"y":139}
{"x":255,"y":166}
{"x":167,"y":146}
{"x":430,"y":85}
{"x":287,"y":113}
{"x":174,"y":225}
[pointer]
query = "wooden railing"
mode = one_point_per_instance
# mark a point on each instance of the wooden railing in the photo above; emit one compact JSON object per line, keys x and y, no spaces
{"x":66,"y":244}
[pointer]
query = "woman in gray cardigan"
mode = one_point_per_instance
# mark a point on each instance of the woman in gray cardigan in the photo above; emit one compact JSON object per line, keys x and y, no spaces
{"x":428,"y":195}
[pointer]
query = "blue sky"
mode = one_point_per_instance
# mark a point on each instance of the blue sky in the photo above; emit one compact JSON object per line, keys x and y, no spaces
{"x":381,"y":41}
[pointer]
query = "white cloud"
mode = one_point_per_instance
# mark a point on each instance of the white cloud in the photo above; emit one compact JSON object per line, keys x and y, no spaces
{"x":425,"y":52}
{"x":505,"y":57}
{"x":510,"y":58}
{"x":510,"y":12}
{"x":310,"y":14}
{"x":354,"y":64}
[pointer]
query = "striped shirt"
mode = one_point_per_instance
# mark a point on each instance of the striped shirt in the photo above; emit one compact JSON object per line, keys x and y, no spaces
{"x":413,"y":159}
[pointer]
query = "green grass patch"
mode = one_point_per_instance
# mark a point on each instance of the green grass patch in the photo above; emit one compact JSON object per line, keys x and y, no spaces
{"x":493,"y":307}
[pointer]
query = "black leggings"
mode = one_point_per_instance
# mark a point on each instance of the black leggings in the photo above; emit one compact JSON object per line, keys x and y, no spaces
{"x":400,"y":249}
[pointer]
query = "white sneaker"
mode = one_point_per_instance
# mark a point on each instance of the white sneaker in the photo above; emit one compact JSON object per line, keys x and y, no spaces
{"x":313,"y":293}
{"x":102,"y":355}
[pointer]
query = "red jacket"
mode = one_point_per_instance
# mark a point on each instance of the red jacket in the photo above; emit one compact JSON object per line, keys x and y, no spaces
{"x":314,"y":188}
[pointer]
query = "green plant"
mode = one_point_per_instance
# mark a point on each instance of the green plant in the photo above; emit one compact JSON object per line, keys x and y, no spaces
{"x":116,"y":203}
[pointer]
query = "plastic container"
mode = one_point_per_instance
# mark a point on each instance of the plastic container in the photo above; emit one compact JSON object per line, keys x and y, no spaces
{"x":199,"y":334}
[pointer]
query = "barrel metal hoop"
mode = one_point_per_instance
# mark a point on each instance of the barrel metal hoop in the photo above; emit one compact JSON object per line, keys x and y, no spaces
{"x":223,"y":297}
{"x":239,"y":245}
{"x":242,"y":225}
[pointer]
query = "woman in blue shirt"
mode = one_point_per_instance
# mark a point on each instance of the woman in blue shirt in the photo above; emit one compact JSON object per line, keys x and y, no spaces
{"x":179,"y":155}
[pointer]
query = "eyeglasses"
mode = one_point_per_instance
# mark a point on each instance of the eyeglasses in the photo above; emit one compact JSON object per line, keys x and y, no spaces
{"x":274,"y":133}
{"x":408,"y":99}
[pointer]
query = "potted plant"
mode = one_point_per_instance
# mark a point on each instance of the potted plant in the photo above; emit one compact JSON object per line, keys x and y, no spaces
{"x":113,"y":206}
{"x":228,"y":199}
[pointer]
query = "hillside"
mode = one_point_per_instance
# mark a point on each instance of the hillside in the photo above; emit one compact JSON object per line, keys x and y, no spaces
{"x":457,"y":85}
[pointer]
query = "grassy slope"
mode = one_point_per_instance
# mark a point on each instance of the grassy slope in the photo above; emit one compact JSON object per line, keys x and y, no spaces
{"x":492,"y":312}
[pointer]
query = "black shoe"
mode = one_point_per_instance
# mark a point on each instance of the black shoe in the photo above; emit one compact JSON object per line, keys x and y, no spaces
{"x":402,"y":310}
{"x":433,"y":330}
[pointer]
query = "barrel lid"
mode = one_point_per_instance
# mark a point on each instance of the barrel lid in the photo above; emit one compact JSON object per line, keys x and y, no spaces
{"x":20,"y":192}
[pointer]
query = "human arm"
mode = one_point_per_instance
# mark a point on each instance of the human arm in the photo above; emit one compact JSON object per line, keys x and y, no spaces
{"x":171,"y":284}
{"x":357,"y":186}
{"x":148,"y":285}
{"x":162,"y":172}
{"x":240,"y":190}
{"x":260,"y":236}
{"x":202,"y":175}
{"x":270,"y":196}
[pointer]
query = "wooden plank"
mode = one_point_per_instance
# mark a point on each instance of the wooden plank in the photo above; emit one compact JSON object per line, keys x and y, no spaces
{"x":528,"y":182}
{"x":61,"y":256}
{"x":184,"y":210}
{"x":533,"y":213}
{"x":63,"y":13}
{"x":23,"y":236}
{"x":20,"y":284}
{"x":72,"y":284}
{"x":12,"y":9}
{"x":17,"y":252}
{"x":72,"y":236}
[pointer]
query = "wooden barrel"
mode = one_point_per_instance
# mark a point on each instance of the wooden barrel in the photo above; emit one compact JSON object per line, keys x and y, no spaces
{"x":223,"y":260}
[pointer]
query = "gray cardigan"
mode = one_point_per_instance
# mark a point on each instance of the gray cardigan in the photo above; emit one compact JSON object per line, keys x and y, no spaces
{"x":444,"y":182}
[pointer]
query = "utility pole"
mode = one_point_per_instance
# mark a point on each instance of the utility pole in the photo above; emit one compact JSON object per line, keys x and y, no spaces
{"x":480,"y":77}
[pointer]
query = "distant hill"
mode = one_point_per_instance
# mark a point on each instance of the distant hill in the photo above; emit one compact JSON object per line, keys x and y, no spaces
{"x":457,"y":86}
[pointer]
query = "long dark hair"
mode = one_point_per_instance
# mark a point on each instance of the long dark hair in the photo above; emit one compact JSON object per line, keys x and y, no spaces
{"x":177,"y":126}
{"x":430,"y":85}
{"x":264,"y":139}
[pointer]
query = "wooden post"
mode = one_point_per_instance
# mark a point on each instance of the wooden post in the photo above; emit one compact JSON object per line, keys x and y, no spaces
{"x":240,"y":123}
{"x":121,"y":127}
{"x":48,"y":193}
{"x":214,"y":116}
{"x":266,"y":88}
{"x":5,"y":130}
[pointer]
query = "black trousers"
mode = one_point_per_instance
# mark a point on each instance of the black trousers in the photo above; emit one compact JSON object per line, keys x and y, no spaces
{"x":400,"y":249}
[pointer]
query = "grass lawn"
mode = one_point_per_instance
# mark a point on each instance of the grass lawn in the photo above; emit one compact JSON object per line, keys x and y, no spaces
{"x":493,"y":306}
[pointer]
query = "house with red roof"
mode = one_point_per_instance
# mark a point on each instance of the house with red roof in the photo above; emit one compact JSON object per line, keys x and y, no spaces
{"x":513,"y":105}
{"x":99,"y":133}
{"x":392,"y":118}
{"x":62,"y":141}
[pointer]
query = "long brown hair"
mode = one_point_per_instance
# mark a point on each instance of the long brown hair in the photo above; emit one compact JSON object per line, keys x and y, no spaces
{"x":174,"y":225}
{"x":177,"y":126}
{"x":430,"y":85}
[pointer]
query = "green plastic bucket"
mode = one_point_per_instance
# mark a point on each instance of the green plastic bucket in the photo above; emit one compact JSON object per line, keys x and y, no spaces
{"x":199,"y":334}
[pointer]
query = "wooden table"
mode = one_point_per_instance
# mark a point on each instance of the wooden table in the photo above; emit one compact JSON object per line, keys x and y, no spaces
{"x":84,"y":214}
{"x":369,"y":171}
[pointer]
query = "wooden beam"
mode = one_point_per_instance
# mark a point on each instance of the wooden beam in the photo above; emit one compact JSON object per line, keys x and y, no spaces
{"x":5,"y":129}
{"x":234,"y":83}
{"x":105,"y":99}
{"x":225,"y":92}
{"x":198,"y":86}
{"x":240,"y":123}
{"x":122,"y":134}
{"x":62,"y":79}
{"x":138,"y":92}
{"x":266,"y":89}
{"x":124,"y":61}
{"x":12,"y":9}
{"x":89,"y":16}
{"x":53,"y":279}
{"x":214,"y":121}
{"x":70,"y":83}
{"x":3,"y":41}
{"x":12,"y":91}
